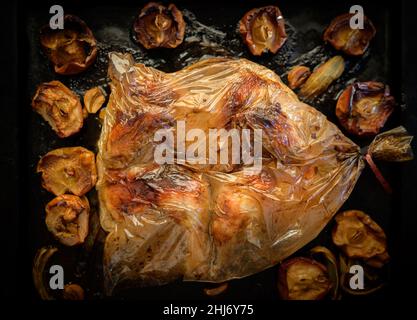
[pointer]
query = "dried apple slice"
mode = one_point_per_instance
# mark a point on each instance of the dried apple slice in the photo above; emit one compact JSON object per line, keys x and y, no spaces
{"x":60,"y":107}
{"x":263,"y":30}
{"x":67,"y":218}
{"x":68,"y":170}
{"x":159,"y":26}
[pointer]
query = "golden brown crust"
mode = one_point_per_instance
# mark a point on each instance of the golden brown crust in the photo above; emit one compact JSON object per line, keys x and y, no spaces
{"x":67,"y":218}
{"x":131,"y":134}
{"x":70,"y":170}
{"x":263,"y":29}
{"x":72,"y":49}
{"x":234,"y":210}
{"x":126,"y":197}
{"x":351,"y":41}
{"x":60,"y":107}
{"x":159,"y":26}
{"x":151,"y":188}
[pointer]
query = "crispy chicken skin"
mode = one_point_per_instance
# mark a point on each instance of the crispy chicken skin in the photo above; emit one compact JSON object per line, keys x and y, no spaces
{"x":68,"y":170}
{"x":211,"y":222}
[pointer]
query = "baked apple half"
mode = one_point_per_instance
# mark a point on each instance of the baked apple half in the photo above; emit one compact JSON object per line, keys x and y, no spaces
{"x":263,"y":30}
{"x":67,"y":219}
{"x":72,"y":49}
{"x":68,"y":170}
{"x":159,"y":26}
{"x":364,"y":107}
{"x":360,"y":237}
{"x":351,"y":41}
{"x":60,"y":107}
{"x":303,"y":279}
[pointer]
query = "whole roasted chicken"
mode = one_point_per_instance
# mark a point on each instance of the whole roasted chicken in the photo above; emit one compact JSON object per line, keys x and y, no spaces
{"x":211,"y":221}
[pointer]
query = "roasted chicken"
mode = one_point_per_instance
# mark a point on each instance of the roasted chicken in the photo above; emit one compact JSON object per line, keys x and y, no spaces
{"x":205,"y":221}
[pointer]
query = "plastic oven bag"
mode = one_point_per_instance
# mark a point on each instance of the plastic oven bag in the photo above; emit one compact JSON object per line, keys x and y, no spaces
{"x":207,"y":221}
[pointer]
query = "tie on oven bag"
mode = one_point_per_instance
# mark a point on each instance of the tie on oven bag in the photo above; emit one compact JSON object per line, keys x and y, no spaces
{"x":216,"y":222}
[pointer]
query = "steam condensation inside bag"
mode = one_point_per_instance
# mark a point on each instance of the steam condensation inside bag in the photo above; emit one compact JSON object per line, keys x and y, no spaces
{"x":209,"y":221}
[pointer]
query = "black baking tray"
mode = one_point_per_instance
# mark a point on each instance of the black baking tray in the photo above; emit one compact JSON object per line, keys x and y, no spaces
{"x":387,"y":60}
